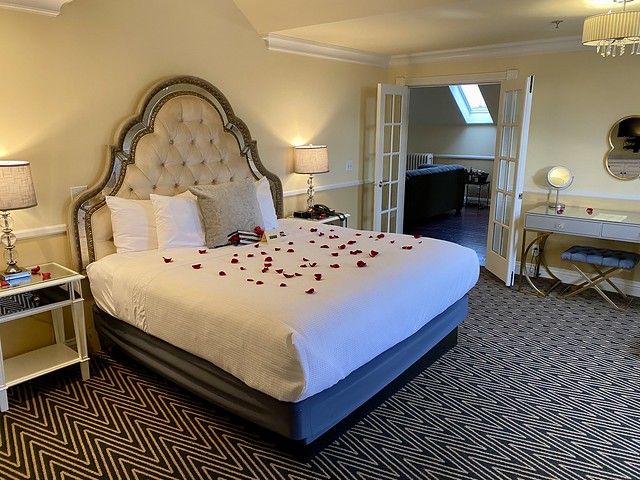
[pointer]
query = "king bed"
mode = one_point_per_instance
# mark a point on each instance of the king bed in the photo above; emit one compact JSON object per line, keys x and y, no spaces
{"x":293,"y":334}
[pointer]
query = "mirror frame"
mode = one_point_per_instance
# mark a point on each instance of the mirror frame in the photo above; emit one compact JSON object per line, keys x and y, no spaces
{"x":615,"y":144}
{"x":565,"y":173}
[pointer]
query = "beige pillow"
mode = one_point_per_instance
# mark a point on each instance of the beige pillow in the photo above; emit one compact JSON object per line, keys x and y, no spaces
{"x":227,"y":207}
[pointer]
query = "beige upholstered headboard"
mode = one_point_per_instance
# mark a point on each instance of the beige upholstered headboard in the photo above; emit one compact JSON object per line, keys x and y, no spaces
{"x":185,"y":133}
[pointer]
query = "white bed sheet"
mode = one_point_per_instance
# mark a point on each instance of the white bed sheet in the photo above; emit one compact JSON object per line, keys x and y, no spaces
{"x":281,"y":340}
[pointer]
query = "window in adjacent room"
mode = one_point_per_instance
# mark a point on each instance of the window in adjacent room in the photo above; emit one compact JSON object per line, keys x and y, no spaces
{"x":471,"y":103}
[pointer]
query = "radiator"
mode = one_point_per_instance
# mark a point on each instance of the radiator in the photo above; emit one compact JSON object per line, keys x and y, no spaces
{"x":415,"y":159}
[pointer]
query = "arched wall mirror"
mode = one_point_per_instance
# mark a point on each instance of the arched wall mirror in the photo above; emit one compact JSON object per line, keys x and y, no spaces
{"x":623,"y":159}
{"x":558,"y":178}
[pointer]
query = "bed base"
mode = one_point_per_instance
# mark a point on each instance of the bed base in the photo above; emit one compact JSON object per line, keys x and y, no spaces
{"x":312,"y":423}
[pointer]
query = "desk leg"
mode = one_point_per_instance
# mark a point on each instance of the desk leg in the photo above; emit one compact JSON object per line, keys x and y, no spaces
{"x":4,"y":399}
{"x":541,"y":240}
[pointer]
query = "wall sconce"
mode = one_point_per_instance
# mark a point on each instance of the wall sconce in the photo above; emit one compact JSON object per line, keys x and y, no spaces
{"x":16,"y":192}
{"x":310,"y":159}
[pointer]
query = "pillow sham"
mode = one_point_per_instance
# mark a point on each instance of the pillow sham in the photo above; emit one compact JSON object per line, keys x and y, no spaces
{"x":227,"y":207}
{"x":133,"y":223}
{"x":265,"y":200}
{"x":178,"y":221}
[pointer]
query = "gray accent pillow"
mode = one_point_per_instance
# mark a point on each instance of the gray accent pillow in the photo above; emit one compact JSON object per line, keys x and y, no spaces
{"x":227,"y":207}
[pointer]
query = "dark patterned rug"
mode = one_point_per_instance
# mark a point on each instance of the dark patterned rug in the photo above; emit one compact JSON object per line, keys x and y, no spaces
{"x":537,"y":388}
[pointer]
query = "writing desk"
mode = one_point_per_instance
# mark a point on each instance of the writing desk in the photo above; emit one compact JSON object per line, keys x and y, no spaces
{"x":543,"y":221}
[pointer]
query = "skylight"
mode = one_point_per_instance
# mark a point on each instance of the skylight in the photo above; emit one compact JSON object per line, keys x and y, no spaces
{"x":471,"y":103}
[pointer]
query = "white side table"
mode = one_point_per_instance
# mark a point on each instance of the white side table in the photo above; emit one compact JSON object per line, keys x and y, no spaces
{"x":30,"y":296}
{"x":343,"y":219}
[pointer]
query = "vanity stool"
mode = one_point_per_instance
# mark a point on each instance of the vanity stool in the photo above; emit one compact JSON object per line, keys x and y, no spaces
{"x":599,"y":258}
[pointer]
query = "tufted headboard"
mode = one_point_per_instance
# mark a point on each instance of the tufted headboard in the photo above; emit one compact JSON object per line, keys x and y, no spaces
{"x":185,"y":133}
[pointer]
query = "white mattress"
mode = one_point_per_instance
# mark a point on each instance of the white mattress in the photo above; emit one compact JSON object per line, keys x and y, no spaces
{"x":278,"y":339}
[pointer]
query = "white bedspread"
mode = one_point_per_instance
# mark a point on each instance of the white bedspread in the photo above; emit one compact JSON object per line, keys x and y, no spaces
{"x":242,"y":313}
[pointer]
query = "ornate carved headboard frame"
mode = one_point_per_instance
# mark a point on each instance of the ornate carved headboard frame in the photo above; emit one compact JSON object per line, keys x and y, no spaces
{"x":185,"y":133}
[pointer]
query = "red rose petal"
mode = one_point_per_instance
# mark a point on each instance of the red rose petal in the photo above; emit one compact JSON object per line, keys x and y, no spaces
{"x":268,"y":264}
{"x":197,"y":266}
{"x":310,"y":291}
{"x":263,"y":253}
{"x":277,"y":249}
{"x":305,"y":259}
{"x":222,"y":273}
{"x":268,"y":259}
{"x":334,"y":254}
{"x":291,"y":250}
{"x":290,"y":243}
{"x":283,"y":284}
{"x":234,"y":260}
{"x":392,"y":241}
{"x":312,"y":241}
{"x":358,"y":234}
{"x":279,"y":270}
{"x":167,"y":260}
{"x":351,"y":242}
{"x":202,"y":252}
{"x":4,"y":283}
{"x":321,"y":234}
{"x":298,"y":274}
{"x":381,"y":235}
{"x":265,"y":269}
{"x":373,"y":253}
{"x":313,"y":264}
{"x":235,"y":254}
{"x":243,"y":268}
{"x":250,"y":255}
{"x":334,"y":265}
{"x":303,"y":265}
{"x":416,"y":235}
{"x":361,"y":263}
{"x":313,"y":230}
{"x":250,"y":280}
{"x":259,"y":282}
{"x":257,"y":245}
{"x":407,"y":247}
{"x":318,"y":276}
{"x":288,"y":275}
{"x":342,"y":247}
{"x":324,"y":246}
{"x":35,"y":270}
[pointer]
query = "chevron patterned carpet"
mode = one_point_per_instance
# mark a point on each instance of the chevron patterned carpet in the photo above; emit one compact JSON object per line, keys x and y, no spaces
{"x":535,"y":389}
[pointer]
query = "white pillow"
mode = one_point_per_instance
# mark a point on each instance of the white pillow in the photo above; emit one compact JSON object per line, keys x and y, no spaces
{"x":265,"y":200}
{"x":178,"y":221}
{"x":134,"y":224}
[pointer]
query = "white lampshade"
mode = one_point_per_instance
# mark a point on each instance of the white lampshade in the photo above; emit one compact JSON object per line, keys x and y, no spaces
{"x":16,"y":185}
{"x":611,"y":32}
{"x":311,"y":159}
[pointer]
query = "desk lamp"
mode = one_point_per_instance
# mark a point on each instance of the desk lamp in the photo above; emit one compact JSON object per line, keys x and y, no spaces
{"x":16,"y":193}
{"x":310,"y":159}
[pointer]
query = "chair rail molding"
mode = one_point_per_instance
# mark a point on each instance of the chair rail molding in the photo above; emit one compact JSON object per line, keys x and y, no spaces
{"x":41,"y":7}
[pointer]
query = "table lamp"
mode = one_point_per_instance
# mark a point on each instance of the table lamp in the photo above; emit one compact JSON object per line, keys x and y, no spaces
{"x":16,"y":193}
{"x":310,"y":159}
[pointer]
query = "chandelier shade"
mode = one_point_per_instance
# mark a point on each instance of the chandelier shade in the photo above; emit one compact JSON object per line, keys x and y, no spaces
{"x":612,"y":32}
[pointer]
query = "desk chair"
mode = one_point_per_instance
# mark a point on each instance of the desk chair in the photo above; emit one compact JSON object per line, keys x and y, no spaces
{"x":599,"y":258}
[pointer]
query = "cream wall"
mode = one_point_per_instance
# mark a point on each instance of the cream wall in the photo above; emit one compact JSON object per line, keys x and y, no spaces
{"x":577,"y":97}
{"x":69,"y":81}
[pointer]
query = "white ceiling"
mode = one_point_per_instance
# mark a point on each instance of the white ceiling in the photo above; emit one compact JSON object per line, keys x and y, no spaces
{"x":401,"y":27}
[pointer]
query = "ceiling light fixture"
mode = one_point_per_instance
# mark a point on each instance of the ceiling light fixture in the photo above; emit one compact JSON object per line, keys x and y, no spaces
{"x":611,"y":32}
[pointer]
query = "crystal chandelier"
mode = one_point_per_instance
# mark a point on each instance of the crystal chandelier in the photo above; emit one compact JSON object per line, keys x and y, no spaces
{"x":611,"y":32}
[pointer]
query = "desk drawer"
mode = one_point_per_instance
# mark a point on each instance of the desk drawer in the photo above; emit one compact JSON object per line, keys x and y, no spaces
{"x":627,"y":233}
{"x":555,"y":223}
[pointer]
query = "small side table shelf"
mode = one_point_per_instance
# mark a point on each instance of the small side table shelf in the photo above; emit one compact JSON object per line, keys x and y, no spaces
{"x":342,"y":219}
{"x":33,"y":295}
{"x":486,"y":185}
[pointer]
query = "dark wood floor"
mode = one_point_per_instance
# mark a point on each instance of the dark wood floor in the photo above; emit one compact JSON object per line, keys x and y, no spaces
{"x":468,"y":229}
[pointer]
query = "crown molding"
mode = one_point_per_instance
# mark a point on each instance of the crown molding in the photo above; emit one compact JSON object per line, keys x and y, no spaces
{"x":514,"y":49}
{"x":281,"y":43}
{"x":41,"y":7}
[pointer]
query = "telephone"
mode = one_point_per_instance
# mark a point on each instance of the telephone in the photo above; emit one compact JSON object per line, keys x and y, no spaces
{"x":322,"y":210}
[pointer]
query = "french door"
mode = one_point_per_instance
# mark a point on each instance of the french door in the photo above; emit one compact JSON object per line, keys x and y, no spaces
{"x":392,"y":123}
{"x":508,"y":176}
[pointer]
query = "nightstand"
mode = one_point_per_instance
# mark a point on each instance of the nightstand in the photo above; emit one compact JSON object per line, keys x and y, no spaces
{"x":33,"y":295}
{"x":342,"y":219}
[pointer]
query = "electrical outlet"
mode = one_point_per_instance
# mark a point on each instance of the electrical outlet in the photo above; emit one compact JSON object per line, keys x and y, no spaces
{"x":76,"y":190}
{"x":349,"y":165}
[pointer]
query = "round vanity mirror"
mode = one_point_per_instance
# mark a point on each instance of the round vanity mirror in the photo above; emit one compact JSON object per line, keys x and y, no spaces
{"x":558,"y":179}
{"x":623,"y":158}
